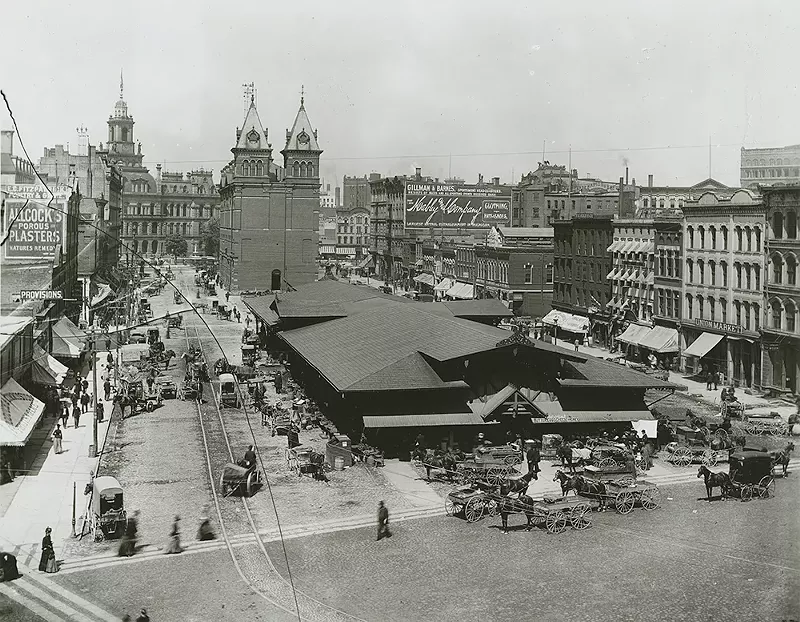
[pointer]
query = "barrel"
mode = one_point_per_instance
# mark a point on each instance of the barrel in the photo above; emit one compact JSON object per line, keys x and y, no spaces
{"x":338,"y":463}
{"x":796,"y":429}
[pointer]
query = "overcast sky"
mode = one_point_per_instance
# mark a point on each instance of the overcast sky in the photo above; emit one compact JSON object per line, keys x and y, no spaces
{"x":393,"y":85}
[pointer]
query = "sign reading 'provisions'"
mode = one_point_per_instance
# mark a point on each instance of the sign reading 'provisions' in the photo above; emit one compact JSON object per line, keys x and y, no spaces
{"x":34,"y":229}
{"x":456,"y":206}
{"x":41,"y":294}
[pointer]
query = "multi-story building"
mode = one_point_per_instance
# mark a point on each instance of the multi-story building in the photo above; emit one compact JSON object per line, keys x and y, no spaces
{"x":387,"y":231}
{"x":516,"y":266}
{"x":668,"y":272}
{"x":781,"y":328}
{"x":774,"y":165}
{"x":633,"y":258}
{"x":269,"y":236}
{"x":582,"y":262}
{"x":13,"y":169}
{"x":723,"y":250}
{"x":668,"y":201}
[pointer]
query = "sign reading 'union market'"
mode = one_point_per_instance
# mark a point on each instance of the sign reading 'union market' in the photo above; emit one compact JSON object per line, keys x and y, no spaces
{"x":728,"y":328}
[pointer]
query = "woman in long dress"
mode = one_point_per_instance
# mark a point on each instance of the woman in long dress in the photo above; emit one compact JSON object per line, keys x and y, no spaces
{"x":47,"y":562}
{"x":57,"y":436}
{"x":127,"y":547}
{"x":205,"y":532}
{"x":175,"y":538}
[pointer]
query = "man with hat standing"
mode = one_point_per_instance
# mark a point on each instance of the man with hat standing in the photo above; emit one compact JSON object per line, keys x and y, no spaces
{"x":533,"y":457}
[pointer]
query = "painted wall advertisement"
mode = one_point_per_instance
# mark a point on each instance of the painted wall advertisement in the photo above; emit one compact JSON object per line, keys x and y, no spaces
{"x":32,"y":229}
{"x":456,"y":206}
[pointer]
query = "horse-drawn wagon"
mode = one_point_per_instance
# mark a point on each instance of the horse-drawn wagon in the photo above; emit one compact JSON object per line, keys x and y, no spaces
{"x":238,"y":478}
{"x":472,"y":502}
{"x":622,"y":493}
{"x":697,"y":445}
{"x":306,"y":461}
{"x":553,"y":513}
{"x":750,"y":474}
{"x":770,"y":424}
{"x":107,"y":517}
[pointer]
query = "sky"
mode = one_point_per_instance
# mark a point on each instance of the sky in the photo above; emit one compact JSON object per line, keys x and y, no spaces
{"x":456,"y":88}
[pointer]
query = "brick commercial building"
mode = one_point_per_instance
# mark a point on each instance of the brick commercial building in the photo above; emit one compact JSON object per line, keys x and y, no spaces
{"x":723,"y":250}
{"x":774,"y":165}
{"x":780,"y":331}
{"x":268,"y":216}
{"x":668,"y":201}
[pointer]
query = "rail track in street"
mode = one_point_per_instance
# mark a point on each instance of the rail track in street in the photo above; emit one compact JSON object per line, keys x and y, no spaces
{"x":252,"y":561}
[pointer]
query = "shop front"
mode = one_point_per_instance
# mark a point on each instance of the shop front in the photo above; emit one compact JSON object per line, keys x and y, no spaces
{"x":724,"y":348}
{"x":566,"y":326}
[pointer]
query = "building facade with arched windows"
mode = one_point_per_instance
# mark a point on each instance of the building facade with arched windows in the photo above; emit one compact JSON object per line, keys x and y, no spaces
{"x":781,"y":327}
{"x":269,"y":226}
{"x":774,"y":165}
{"x":722,"y":294}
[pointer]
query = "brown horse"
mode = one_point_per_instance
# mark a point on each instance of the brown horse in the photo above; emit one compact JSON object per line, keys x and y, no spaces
{"x":715,"y":480}
{"x":521,"y":505}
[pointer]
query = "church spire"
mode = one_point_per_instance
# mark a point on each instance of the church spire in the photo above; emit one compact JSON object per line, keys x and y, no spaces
{"x":120,"y":84}
{"x":302,"y":95}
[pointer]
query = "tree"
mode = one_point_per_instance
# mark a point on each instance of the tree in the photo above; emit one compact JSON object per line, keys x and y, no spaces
{"x":176,"y":245}
{"x":209,"y":237}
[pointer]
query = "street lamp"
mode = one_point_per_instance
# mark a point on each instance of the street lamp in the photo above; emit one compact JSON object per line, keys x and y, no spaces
{"x":555,"y":331}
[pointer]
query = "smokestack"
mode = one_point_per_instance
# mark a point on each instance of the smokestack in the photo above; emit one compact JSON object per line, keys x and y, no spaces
{"x":328,"y":190}
{"x":418,"y":173}
{"x":626,"y":175}
{"x":7,"y":142}
{"x":158,"y":173}
{"x":649,"y":181}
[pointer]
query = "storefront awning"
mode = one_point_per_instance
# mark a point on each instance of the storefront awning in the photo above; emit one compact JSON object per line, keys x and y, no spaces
{"x":67,"y":339}
{"x":414,"y":421}
{"x":567,"y":321}
{"x":19,"y":414}
{"x":633,"y":334}
{"x":702,"y":345}
{"x":425,"y":278}
{"x":443,"y":285}
{"x":365,"y":263}
{"x":47,"y":370}
{"x":555,"y":414}
{"x":462,"y":291}
{"x":614,"y":246}
{"x":103,"y":294}
{"x":661,"y":339}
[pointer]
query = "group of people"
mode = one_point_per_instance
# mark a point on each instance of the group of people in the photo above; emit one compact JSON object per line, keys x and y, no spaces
{"x":712,"y":380}
{"x":128,"y":543}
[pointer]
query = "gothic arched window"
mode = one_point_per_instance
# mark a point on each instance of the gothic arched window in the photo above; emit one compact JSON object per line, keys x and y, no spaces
{"x":259,"y":168}
{"x":246,"y":168}
{"x":296,"y":169}
{"x":310,"y":169}
{"x":303,"y":170}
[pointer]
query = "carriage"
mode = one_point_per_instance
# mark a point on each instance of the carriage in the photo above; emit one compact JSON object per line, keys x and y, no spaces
{"x":228,"y":393}
{"x":609,"y":460}
{"x":177,"y":298}
{"x":306,"y":461}
{"x":485,"y":467}
{"x":190,"y":389}
{"x":107,"y":517}
{"x":168,"y":387}
{"x":624,"y":494}
{"x":750,"y":475}
{"x":175,"y":321}
{"x":472,"y":502}
{"x":249,"y":355}
{"x":237,"y":478}
{"x":697,"y":446}
{"x":771,"y":424}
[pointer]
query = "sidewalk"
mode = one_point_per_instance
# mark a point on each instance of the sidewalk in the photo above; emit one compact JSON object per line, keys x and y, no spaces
{"x":43,"y":498}
{"x":405,"y":479}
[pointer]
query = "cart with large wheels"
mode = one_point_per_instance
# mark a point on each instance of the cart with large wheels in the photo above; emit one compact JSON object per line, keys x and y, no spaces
{"x":236,"y":478}
{"x":624,"y":496}
{"x":698,"y":445}
{"x":470,"y":502}
{"x":751,"y":476}
{"x":107,"y":517}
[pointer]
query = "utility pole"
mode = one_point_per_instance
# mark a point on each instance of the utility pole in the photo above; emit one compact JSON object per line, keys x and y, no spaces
{"x":92,"y":362}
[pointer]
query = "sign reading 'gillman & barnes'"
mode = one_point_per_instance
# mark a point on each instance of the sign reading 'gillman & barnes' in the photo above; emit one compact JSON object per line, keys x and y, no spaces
{"x":727,"y":328}
{"x":456,"y":206}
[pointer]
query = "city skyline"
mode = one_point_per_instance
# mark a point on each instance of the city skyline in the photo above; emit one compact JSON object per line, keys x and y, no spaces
{"x":650,"y":89}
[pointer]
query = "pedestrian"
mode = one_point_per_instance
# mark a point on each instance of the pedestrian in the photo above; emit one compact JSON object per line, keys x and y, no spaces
{"x":85,"y":385}
{"x":127,"y":546}
{"x":647,"y":454}
{"x":107,"y":388}
{"x":100,"y":412}
{"x":143,"y":617}
{"x":85,"y":403}
{"x":76,"y":415}
{"x":709,"y":380}
{"x":9,"y":471}
{"x":57,"y":436}
{"x":533,"y":460}
{"x":383,"y":521}
{"x":205,"y":532}
{"x":577,"y":343}
{"x":64,"y":414}
{"x":108,"y":345}
{"x":716,"y":380}
{"x":47,"y":562}
{"x":110,"y":360}
{"x":174,"y":545}
{"x":74,"y":397}
{"x":200,"y":392}
{"x":227,"y":296}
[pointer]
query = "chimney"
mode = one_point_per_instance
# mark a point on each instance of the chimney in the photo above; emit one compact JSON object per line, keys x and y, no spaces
{"x":496,"y":181}
{"x":649,"y":181}
{"x":634,"y":181}
{"x":626,"y":175}
{"x":338,"y":195}
{"x":328,"y":190}
{"x":418,"y":173}
{"x":158,"y":173}
{"x":7,"y":142}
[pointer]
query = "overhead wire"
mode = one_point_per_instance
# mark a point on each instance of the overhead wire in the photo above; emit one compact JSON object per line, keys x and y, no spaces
{"x":144,"y":260}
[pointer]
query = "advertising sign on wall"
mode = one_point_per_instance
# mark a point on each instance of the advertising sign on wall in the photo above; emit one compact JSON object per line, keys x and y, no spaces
{"x":456,"y":206}
{"x":33,"y":228}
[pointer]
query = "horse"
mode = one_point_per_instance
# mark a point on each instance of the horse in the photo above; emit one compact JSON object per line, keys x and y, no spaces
{"x":567,"y":483}
{"x":442,"y":461}
{"x":521,"y":505}
{"x":781,"y":458}
{"x":518,"y":485}
{"x":591,"y":489}
{"x":715,"y":480}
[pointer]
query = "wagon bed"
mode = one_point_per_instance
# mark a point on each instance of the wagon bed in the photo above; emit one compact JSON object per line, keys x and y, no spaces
{"x":624,"y":496}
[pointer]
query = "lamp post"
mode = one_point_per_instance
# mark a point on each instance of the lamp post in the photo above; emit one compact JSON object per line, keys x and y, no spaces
{"x":555,"y":332}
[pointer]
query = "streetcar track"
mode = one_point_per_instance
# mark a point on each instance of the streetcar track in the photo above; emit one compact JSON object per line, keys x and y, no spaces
{"x":309,"y":607}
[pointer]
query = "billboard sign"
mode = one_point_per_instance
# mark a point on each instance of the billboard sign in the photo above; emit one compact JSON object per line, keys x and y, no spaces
{"x":33,"y":228}
{"x":456,"y":206}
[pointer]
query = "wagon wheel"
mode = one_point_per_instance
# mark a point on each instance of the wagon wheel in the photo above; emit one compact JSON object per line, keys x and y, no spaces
{"x":98,"y":535}
{"x":556,"y":522}
{"x":751,"y":428}
{"x":580,"y":517}
{"x":746,"y":492}
{"x":624,"y":502}
{"x":498,"y":475}
{"x":491,"y":507}
{"x":512,"y":460}
{"x":473,"y":511}
{"x":150,"y":407}
{"x":766,"y":487}
{"x":641,"y":466}
{"x":223,"y":486}
{"x":651,"y":498}
{"x":607,"y":463}
{"x":709,"y":458}
{"x":721,"y":434}
{"x":682,"y":456}
{"x":450,"y":508}
{"x":705,"y":434}
{"x":250,"y":482}
{"x":777,"y":430}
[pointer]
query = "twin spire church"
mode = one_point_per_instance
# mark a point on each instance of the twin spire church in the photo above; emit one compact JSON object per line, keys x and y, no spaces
{"x":268,"y":213}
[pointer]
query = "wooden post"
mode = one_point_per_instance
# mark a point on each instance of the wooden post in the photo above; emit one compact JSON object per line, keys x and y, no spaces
{"x":73,"y":508}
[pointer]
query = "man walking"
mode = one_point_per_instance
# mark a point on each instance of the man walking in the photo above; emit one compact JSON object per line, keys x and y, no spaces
{"x":85,"y":385}
{"x":383,"y":521}
{"x":716,"y":380}
{"x":577,"y":343}
{"x":107,"y":388}
{"x":533,"y":461}
{"x":85,"y":403}
{"x":200,"y":392}
{"x":709,"y":380}
{"x":100,"y":412}
{"x":64,"y":414}
{"x":76,"y":415}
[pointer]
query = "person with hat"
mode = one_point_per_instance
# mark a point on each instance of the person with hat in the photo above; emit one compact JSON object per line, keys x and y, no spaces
{"x":57,"y":436}
{"x":175,"y":538}
{"x":47,"y":562}
{"x":533,"y":460}
{"x":383,"y":521}
{"x":127,"y":547}
{"x":143,"y":617}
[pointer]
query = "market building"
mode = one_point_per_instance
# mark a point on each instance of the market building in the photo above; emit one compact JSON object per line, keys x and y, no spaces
{"x":723,"y":251}
{"x":780,"y":331}
{"x":385,"y":370}
{"x":269,"y":236}
{"x":772,"y":165}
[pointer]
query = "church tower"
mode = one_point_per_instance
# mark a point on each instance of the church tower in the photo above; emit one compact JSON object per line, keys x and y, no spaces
{"x":121,"y":147}
{"x":301,"y":154}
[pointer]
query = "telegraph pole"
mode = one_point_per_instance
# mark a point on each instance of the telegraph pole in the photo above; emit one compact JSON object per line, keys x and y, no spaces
{"x":92,"y":362}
